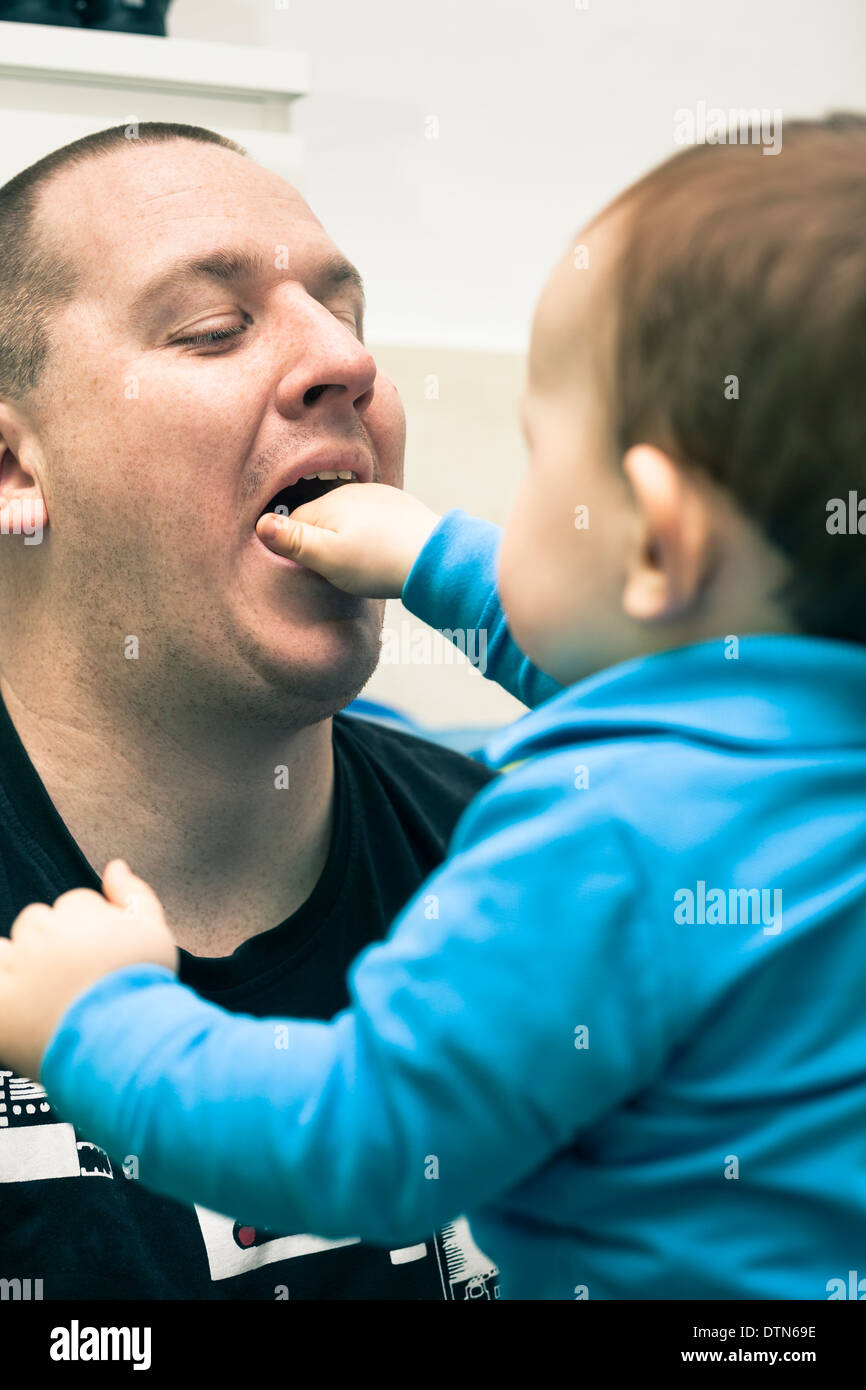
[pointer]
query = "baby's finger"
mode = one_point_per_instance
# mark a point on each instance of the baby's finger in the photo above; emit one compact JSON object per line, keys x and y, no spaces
{"x":125,"y":889}
{"x":32,"y":918}
{"x":311,"y":546}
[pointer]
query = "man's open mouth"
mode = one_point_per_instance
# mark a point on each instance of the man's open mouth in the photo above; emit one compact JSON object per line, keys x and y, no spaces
{"x":307,"y":489}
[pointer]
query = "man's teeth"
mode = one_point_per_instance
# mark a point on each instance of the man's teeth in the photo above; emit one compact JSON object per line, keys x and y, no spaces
{"x":347,"y":475}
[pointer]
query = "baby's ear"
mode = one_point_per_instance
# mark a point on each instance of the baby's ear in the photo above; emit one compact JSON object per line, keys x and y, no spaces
{"x":673,"y":551}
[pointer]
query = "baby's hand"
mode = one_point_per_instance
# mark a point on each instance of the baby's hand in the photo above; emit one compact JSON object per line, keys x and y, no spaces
{"x":363,"y":537}
{"x":56,"y":953}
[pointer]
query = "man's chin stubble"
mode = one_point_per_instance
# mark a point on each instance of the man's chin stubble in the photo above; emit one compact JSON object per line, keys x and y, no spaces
{"x":297,"y":696}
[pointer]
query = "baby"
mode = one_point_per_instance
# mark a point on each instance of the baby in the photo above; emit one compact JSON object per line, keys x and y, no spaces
{"x":623,"y":1028}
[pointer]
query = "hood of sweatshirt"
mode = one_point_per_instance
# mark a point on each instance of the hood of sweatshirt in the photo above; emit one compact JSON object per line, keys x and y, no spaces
{"x":769,"y":690}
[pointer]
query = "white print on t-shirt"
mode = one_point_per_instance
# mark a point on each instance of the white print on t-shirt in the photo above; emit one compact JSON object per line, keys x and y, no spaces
{"x":34,"y":1144}
{"x":233,"y":1248}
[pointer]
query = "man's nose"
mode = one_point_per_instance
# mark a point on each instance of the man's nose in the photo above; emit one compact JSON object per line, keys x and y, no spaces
{"x":329,"y":372}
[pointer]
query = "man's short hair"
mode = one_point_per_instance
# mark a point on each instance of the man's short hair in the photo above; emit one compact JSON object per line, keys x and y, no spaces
{"x":35,"y":277}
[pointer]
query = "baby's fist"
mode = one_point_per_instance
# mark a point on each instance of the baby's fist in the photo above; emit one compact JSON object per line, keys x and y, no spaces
{"x":56,"y":953}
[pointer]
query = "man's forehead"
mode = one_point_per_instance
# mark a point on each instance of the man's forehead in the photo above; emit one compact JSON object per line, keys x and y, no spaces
{"x":142,"y":203}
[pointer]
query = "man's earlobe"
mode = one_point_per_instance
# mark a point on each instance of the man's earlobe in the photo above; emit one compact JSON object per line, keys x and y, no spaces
{"x":22,"y":505}
{"x":666,"y":573}
{"x":27,"y":516}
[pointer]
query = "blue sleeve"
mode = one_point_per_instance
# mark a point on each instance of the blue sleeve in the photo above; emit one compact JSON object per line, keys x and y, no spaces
{"x":452,"y":587}
{"x":456,"y":1071}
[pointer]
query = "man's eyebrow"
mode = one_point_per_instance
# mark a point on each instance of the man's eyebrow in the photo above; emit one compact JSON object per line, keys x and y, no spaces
{"x":228,"y":267}
{"x":339,"y":271}
{"x":223,"y":266}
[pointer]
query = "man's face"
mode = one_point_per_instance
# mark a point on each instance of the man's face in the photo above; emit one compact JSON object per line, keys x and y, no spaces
{"x":161,"y":446}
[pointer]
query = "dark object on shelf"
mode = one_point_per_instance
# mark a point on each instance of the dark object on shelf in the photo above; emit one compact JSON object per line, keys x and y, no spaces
{"x":66,"y":13}
{"x":127,"y":16}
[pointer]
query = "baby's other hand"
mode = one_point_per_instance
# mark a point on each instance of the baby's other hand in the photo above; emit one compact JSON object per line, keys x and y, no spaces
{"x":56,"y":953}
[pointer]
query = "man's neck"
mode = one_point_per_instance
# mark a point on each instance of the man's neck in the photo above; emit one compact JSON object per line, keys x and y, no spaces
{"x":232,"y":831}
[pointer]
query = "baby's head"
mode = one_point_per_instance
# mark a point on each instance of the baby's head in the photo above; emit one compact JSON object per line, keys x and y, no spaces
{"x":696,"y":397}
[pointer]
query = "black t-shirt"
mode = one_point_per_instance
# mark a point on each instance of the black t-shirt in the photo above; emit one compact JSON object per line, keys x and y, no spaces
{"x":78,"y":1226}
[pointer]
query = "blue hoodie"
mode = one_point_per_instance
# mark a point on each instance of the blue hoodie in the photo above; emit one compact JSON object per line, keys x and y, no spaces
{"x":623,"y":1028}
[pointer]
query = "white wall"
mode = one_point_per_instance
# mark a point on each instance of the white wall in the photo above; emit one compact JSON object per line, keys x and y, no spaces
{"x":463,"y":449}
{"x":545,"y":110}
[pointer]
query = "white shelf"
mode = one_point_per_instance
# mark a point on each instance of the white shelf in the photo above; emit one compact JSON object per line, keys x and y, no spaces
{"x":58,"y":84}
{"x":103,"y":58}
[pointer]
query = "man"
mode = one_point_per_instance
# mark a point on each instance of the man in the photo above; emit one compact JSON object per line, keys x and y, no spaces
{"x":180,"y":342}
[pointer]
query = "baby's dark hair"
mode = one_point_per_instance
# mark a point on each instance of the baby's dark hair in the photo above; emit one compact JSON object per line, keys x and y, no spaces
{"x":740,"y":341}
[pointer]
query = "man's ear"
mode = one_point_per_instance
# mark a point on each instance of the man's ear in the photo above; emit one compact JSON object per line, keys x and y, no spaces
{"x":675,"y":551}
{"x":22,"y":504}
